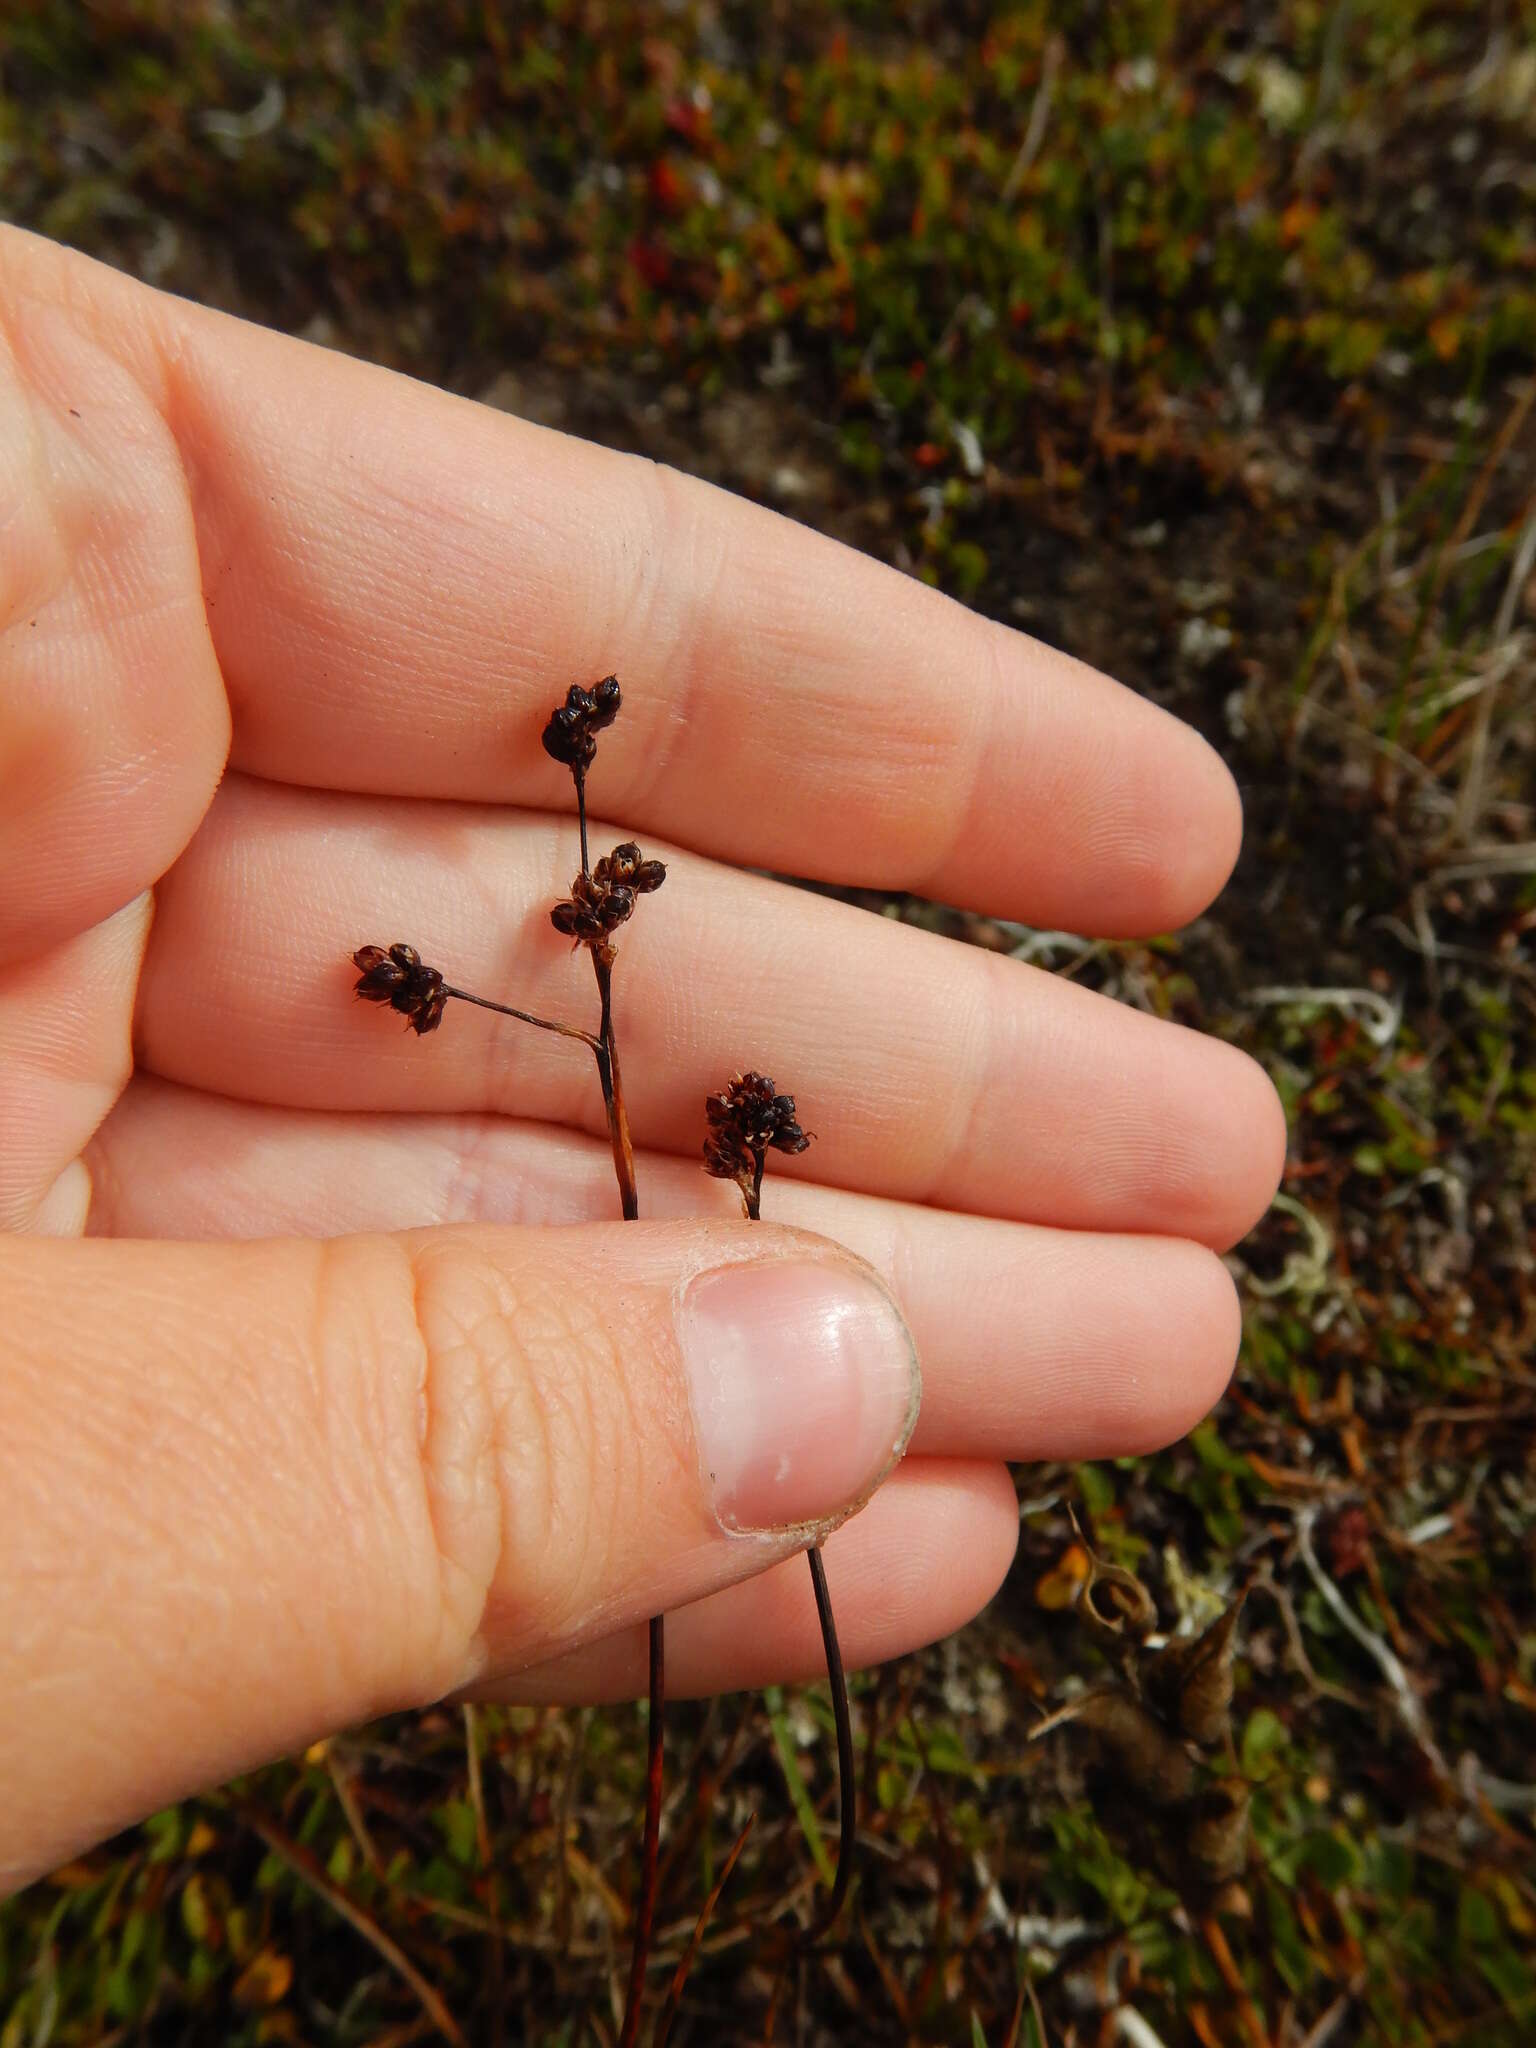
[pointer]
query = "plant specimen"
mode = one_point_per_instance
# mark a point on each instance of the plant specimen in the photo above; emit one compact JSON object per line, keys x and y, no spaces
{"x":746,"y":1120}
{"x":602,"y":898}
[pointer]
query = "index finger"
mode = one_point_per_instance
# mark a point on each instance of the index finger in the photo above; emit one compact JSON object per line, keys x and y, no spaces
{"x":400,"y":582}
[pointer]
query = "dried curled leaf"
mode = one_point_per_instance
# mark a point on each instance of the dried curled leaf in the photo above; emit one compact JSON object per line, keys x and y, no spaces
{"x":1215,"y":1848}
{"x":1138,"y":1750}
{"x":1114,"y":1605}
{"x":1190,"y":1682}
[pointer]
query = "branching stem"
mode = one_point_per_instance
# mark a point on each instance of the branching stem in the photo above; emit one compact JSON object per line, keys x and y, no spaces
{"x":463,"y":995}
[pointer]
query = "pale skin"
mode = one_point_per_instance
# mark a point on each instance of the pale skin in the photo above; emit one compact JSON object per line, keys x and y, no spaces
{"x":328,"y":1386}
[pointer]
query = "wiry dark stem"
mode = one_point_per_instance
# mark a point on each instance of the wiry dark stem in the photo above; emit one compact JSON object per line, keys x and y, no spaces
{"x":580,"y":780}
{"x":463,"y":995}
{"x":847,"y":1778}
{"x":624,"y":1168}
{"x":645,"y":1905}
{"x":613,"y":1088}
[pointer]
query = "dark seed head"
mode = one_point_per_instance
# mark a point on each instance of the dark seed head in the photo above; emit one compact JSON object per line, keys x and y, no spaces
{"x":600,"y":902}
{"x":571,"y":734}
{"x":745,"y":1120}
{"x":396,"y":975}
{"x":626,"y":865}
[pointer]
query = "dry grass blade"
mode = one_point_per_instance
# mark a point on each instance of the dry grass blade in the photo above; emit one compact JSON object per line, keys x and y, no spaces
{"x":674,"y":1995}
{"x":306,"y":1868}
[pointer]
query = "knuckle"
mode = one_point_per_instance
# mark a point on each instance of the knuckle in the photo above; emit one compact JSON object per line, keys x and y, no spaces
{"x":521,"y":1426}
{"x":99,"y":585}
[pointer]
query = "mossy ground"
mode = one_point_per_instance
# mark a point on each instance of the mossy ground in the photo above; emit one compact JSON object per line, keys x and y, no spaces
{"x":1197,"y":339}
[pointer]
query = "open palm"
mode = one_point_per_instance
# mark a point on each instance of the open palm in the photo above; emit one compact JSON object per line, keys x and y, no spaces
{"x":280,"y":631}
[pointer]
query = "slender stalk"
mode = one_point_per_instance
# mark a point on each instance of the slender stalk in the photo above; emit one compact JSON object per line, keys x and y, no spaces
{"x":396,"y":975}
{"x":524,"y":1016}
{"x":580,"y":780}
{"x":847,"y":1772}
{"x":650,"y":1853}
{"x":613,"y":1088}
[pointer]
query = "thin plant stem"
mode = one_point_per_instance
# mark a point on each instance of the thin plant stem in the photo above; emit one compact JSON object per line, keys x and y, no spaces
{"x":847,"y":1775}
{"x":605,"y":1052}
{"x":463,"y":995}
{"x":613,"y":1088}
{"x":397,"y":976}
{"x":650,"y":1852}
{"x":612,"y":1079}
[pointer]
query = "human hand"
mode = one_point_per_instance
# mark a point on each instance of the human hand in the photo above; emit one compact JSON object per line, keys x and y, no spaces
{"x":254,"y":1491}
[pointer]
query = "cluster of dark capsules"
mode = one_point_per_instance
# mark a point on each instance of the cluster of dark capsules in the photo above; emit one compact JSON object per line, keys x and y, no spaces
{"x":571,"y":734}
{"x":600,"y":902}
{"x":745,"y":1120}
{"x":398,"y":976}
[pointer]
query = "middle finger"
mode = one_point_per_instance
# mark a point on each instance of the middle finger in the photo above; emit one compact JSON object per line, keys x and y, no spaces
{"x":930,"y":1071}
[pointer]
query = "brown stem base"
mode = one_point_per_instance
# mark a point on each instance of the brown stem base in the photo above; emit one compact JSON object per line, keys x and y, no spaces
{"x":645,"y":1905}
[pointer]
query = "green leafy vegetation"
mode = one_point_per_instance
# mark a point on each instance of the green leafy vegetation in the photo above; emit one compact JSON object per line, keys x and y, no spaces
{"x":1200,"y":341}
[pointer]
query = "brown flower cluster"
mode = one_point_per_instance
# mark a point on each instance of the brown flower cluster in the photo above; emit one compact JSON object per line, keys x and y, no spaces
{"x":600,"y":902}
{"x":396,"y":975}
{"x":744,"y":1120}
{"x":571,"y":734}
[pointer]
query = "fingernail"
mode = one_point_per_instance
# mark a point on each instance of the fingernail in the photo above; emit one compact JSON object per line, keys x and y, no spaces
{"x":804,"y":1384}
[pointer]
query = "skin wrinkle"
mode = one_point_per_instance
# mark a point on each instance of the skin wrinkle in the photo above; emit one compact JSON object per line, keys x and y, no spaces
{"x":977,"y":753}
{"x":671,"y":528}
{"x":605,"y":1428}
{"x":464,"y":1175}
{"x":974,"y":1098}
{"x":533,"y":1444}
{"x":548,"y":1424}
{"x":456,"y":1390}
{"x":21,"y":600}
{"x":115,"y":491}
{"x":62,"y":1072}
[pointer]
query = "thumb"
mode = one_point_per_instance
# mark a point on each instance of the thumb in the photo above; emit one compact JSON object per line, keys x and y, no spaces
{"x":252,"y":1493}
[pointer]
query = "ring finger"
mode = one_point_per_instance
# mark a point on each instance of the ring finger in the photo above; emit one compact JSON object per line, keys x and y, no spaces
{"x":1036,"y":1343}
